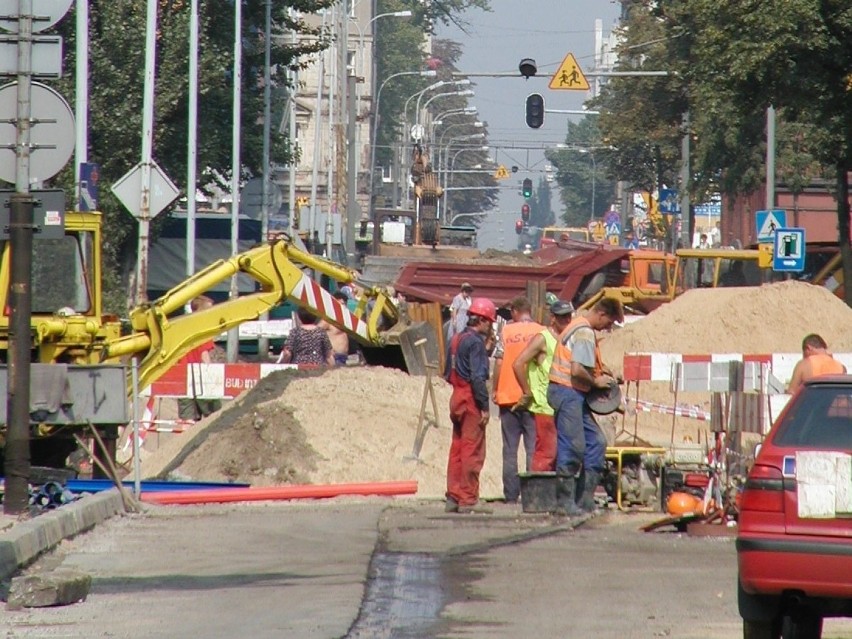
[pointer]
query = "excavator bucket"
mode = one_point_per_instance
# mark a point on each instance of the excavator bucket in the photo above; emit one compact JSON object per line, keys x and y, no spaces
{"x":408,"y":347}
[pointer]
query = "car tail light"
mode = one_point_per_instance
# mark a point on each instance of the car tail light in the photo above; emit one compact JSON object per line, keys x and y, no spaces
{"x":764,"y":490}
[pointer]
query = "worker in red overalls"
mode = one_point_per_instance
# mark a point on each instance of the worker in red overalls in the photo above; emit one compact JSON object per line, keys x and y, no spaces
{"x":467,"y":371}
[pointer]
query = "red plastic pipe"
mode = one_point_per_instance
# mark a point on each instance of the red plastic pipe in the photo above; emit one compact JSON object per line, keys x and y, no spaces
{"x":318,"y":491}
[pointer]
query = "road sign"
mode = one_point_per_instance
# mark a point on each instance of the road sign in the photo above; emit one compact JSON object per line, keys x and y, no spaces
{"x":128,"y":190}
{"x":51,"y":136}
{"x":598,"y":230}
{"x":48,"y":214}
{"x":768,"y":222}
{"x":90,"y":177}
{"x":502,"y":173}
{"x":46,"y":57}
{"x":569,"y":76}
{"x":46,"y":14}
{"x":417,"y":132}
{"x":789,"y":253}
{"x":669,"y":203}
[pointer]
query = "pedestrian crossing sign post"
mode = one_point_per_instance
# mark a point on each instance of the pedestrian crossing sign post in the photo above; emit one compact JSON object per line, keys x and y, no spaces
{"x":789,"y":253}
{"x":569,"y":76}
{"x":502,"y":173}
{"x":768,"y":222}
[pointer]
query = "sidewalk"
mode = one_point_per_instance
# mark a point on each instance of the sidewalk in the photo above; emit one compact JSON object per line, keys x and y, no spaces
{"x":22,"y":541}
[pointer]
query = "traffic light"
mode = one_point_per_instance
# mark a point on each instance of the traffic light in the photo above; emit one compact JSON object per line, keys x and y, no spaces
{"x":525,"y":212}
{"x":527,"y":188}
{"x":535,"y":110}
{"x":519,"y":227}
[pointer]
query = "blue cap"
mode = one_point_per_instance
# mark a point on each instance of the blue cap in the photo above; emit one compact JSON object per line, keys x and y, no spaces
{"x":560,"y":307}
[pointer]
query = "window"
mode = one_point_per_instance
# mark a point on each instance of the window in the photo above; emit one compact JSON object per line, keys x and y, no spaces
{"x":60,"y":277}
{"x":820,"y":418}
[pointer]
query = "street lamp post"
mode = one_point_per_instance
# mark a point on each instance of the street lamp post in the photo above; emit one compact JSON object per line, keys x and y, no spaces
{"x":442,"y":165}
{"x":472,"y":136}
{"x":457,"y":83}
{"x":376,"y":122}
{"x":440,"y":117}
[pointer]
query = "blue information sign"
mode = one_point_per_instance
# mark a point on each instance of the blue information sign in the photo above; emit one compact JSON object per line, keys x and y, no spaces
{"x":789,"y":252}
{"x":768,"y":222}
{"x":89,"y":178}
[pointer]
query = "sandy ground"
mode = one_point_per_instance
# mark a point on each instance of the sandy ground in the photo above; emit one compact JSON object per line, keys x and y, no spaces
{"x":358,"y":424}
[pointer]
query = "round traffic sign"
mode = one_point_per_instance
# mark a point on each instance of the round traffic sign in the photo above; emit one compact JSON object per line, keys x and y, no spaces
{"x":51,"y":135}
{"x":417,"y":131}
{"x":47,"y":13}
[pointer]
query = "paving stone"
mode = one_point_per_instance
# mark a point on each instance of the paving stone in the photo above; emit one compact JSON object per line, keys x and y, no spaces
{"x":57,"y":588}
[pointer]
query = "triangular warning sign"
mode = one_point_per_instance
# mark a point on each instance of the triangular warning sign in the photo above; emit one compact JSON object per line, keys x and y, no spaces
{"x":501,"y":173}
{"x":770,"y":225}
{"x":569,"y":76}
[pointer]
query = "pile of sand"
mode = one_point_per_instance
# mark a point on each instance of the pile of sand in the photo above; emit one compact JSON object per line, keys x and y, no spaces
{"x":345,"y":425}
{"x":768,"y":319}
{"x":359,"y":424}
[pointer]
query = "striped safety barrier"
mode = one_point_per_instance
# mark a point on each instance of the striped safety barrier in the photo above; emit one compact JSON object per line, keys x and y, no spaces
{"x":211,"y":381}
{"x":657,"y":367}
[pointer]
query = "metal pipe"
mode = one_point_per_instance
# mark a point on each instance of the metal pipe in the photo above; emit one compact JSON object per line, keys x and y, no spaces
{"x":233,"y":343}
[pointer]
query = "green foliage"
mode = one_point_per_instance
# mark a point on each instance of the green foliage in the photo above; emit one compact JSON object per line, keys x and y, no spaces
{"x":583,"y":172}
{"x":117,"y":58}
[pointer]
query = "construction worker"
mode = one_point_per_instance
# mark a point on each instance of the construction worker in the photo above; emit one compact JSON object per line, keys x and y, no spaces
{"x":516,"y":422}
{"x":816,"y":361}
{"x":467,"y":371}
{"x":577,"y":368}
{"x":532,"y":371}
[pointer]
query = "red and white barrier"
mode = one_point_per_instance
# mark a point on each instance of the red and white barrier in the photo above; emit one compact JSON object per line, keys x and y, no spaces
{"x":211,"y":381}
{"x":692,"y":412}
{"x":657,"y":367}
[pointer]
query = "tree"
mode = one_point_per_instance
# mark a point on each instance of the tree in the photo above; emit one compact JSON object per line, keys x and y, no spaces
{"x":116,"y":54}
{"x":740,"y":57}
{"x":583,"y":172}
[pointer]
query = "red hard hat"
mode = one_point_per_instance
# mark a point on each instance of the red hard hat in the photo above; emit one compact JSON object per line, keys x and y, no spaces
{"x":483,"y":307}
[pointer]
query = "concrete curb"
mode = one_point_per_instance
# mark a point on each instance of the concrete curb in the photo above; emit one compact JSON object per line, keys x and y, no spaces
{"x":26,"y":541}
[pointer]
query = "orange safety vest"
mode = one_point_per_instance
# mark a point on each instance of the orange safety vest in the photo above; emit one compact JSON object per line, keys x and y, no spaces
{"x":824,"y":364}
{"x":560,"y":369}
{"x":515,"y":337}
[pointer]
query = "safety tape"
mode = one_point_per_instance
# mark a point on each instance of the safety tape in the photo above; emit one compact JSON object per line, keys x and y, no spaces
{"x":693,"y":412}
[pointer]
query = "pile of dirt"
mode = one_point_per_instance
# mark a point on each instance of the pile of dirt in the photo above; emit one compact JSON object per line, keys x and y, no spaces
{"x":351,"y":424}
{"x":768,"y":319}
{"x":358,"y":424}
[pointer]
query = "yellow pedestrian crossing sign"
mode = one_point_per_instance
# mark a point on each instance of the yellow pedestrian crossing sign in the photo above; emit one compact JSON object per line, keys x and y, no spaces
{"x":569,"y":76}
{"x":501,"y":173}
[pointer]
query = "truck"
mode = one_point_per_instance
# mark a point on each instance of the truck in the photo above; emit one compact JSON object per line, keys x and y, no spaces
{"x":80,"y":354}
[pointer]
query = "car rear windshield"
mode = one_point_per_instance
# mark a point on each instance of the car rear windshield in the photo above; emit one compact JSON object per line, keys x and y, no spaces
{"x":820,"y":418}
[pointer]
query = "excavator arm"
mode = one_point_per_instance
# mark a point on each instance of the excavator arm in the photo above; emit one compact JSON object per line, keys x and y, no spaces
{"x":160,"y":338}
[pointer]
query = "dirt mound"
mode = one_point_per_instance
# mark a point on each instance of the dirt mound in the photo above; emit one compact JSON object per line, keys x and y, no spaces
{"x":768,"y":319}
{"x":344,"y":425}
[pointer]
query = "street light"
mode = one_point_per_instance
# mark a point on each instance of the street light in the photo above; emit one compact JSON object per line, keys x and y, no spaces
{"x":472,"y":136}
{"x":476,"y":124}
{"x":426,"y":74}
{"x":466,"y":92}
{"x":439,"y":119}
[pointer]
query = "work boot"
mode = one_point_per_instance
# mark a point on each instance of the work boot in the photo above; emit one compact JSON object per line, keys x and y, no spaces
{"x":566,"y":486}
{"x":586,"y":498}
{"x":452,"y":506}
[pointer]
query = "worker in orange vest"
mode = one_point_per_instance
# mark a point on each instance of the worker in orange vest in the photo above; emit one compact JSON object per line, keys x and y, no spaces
{"x":577,"y":368}
{"x":532,"y":371}
{"x":816,"y":361}
{"x":467,"y":371}
{"x":516,"y":422}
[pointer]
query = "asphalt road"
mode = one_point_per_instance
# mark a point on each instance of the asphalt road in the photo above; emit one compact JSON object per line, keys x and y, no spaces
{"x":397,"y":569}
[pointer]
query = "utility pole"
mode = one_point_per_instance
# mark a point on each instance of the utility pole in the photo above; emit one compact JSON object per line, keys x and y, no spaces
{"x":342,"y":114}
{"x":17,"y":452}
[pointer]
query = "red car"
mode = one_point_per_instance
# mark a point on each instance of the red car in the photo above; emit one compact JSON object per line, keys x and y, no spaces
{"x":794,"y":545}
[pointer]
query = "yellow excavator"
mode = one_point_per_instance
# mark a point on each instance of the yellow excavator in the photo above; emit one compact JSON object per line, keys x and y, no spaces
{"x":86,"y":379}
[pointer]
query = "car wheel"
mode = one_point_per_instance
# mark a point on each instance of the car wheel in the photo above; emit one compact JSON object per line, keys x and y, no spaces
{"x":801,"y":625}
{"x":759,"y":608}
{"x":761,"y":629}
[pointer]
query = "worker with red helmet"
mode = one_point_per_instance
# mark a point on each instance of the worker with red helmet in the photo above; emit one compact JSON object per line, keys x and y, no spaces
{"x":467,"y":371}
{"x":577,"y":368}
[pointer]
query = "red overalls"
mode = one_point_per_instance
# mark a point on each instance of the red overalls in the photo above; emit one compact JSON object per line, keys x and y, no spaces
{"x":467,"y":450}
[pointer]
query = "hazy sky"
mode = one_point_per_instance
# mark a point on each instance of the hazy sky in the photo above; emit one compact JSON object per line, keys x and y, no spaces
{"x":545,"y":30}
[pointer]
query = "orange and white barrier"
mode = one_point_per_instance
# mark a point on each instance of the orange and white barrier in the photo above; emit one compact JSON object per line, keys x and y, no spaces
{"x":693,"y":412}
{"x":657,"y":367}
{"x":211,"y":381}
